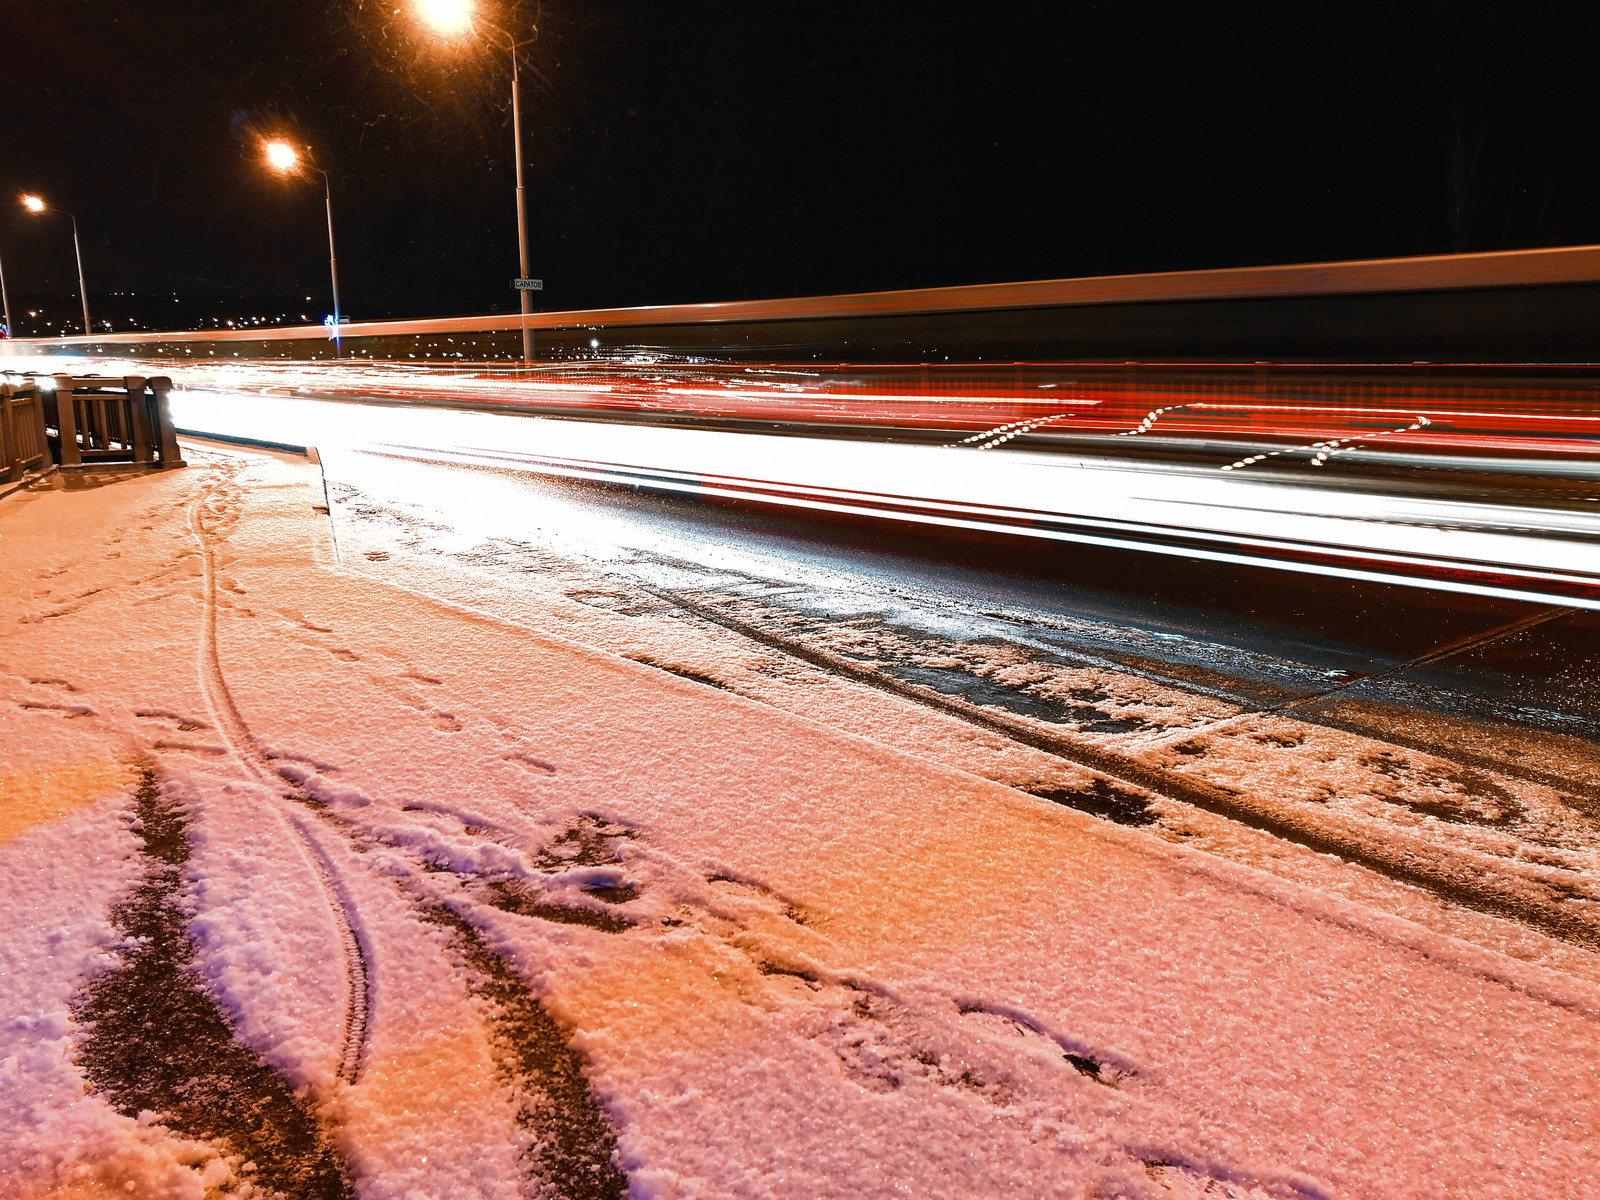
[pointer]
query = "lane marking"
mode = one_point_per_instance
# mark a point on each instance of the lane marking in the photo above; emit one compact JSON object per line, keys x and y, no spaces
{"x":1007,"y":432}
{"x":1152,"y":417}
{"x":1326,"y":450}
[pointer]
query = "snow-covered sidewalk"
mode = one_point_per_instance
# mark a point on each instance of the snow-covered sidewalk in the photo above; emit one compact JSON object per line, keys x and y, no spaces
{"x":505,"y":914}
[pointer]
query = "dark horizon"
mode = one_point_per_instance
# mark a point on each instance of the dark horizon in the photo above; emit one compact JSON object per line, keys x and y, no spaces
{"x":718,"y":152}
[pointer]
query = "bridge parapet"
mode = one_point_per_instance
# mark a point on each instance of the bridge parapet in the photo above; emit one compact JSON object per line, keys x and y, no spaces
{"x":24,"y":445}
{"x":82,"y":421}
{"x":99,"y":419}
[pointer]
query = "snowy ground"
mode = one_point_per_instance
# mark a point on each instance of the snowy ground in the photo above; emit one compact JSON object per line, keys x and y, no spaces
{"x":329,"y":873}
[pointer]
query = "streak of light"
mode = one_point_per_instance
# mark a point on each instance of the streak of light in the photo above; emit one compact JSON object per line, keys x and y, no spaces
{"x":1510,"y":422}
{"x":1520,"y":551}
{"x":1564,"y":588}
{"x":1329,"y":449}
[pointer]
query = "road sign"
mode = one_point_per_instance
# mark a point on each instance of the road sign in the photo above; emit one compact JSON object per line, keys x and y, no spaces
{"x":528,"y":285}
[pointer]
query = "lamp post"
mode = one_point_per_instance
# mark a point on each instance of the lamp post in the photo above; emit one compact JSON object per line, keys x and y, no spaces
{"x":35,"y":204}
{"x":454,"y":18}
{"x":5,"y":301}
{"x":285,"y":160}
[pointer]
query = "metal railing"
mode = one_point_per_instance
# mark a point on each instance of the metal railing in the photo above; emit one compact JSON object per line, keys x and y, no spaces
{"x":24,"y":445}
{"x":99,"y":419}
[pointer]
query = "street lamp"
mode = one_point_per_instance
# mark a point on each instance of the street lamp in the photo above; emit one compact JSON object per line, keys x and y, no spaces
{"x":283,"y":158}
{"x":5,"y":301}
{"x":447,"y":16}
{"x":36,"y":204}
{"x":454,"y":18}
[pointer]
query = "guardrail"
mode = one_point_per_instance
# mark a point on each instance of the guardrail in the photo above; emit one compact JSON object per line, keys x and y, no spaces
{"x":99,"y":419}
{"x":81,"y":421}
{"x":24,"y":445}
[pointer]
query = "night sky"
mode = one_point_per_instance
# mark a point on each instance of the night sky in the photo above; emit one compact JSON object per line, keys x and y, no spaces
{"x":702,"y":149}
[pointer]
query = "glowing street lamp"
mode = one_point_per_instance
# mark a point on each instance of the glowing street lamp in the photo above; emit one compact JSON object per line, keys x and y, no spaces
{"x":447,"y":16}
{"x":283,"y":158}
{"x":36,"y":204}
{"x":454,"y":18}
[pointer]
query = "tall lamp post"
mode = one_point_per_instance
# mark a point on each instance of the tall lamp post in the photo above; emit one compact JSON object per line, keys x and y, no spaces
{"x":5,"y":301}
{"x":454,"y":18}
{"x":285,"y":160}
{"x":35,"y":204}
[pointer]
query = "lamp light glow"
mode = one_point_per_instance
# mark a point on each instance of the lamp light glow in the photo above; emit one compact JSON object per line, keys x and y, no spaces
{"x":446,"y":16}
{"x":281,"y":156}
{"x":33,"y":204}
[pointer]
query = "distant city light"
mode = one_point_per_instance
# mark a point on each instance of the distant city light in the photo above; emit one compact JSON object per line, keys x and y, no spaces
{"x":447,"y":16}
{"x":281,"y":156}
{"x":33,"y":204}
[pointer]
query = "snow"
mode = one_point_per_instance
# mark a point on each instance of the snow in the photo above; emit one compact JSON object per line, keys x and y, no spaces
{"x":58,"y":882}
{"x":794,"y":960}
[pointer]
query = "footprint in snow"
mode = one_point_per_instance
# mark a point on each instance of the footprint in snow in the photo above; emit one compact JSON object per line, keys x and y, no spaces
{"x":537,"y":765}
{"x":66,"y":711}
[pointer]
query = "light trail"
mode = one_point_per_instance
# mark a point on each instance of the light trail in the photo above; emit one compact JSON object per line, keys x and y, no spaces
{"x":1545,"y":554}
{"x":854,"y":441}
{"x":1511,"y":421}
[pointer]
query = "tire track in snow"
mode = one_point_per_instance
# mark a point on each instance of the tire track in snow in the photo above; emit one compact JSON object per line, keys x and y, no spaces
{"x":1534,"y":904}
{"x":213,"y":496}
{"x":884,"y":1039}
{"x":1299,"y":706}
{"x":574,"y":1146}
{"x":155,"y":1041}
{"x":573,"y":1143}
{"x":1548,"y":903}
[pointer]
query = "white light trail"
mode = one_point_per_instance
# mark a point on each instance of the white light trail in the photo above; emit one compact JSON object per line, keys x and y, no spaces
{"x":1194,"y":512}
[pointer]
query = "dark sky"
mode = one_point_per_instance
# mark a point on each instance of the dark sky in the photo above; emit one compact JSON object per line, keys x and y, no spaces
{"x":705,"y":149}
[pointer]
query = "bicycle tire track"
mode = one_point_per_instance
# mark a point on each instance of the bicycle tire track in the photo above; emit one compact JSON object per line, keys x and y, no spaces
{"x":236,"y":733}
